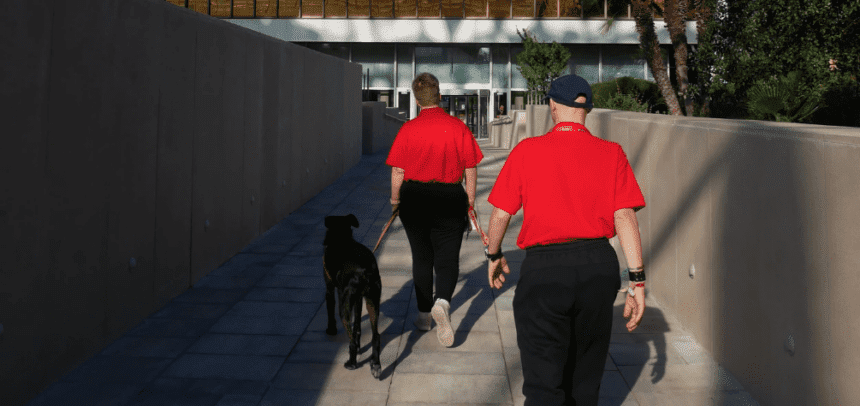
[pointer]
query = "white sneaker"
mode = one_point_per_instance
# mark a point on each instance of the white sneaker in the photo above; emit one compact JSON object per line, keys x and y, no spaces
{"x":423,"y":322}
{"x":443,"y":322}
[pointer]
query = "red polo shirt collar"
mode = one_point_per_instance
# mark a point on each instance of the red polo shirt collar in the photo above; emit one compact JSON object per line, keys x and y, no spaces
{"x":570,"y":127}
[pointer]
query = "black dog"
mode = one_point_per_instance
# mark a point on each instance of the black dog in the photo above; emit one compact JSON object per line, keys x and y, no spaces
{"x":351,"y":268}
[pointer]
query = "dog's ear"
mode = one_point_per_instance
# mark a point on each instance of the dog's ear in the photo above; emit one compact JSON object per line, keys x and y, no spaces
{"x":352,"y":220}
{"x":328,"y":221}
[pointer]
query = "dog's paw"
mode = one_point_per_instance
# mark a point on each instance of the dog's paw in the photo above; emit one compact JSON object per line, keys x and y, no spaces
{"x":375,"y":370}
{"x":331,"y":331}
{"x":350,"y":365}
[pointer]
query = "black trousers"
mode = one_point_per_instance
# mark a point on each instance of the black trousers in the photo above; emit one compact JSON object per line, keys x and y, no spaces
{"x":563,"y":315}
{"x":434,"y":216}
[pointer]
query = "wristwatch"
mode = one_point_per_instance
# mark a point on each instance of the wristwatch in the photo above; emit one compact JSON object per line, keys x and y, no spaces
{"x":495,"y":257}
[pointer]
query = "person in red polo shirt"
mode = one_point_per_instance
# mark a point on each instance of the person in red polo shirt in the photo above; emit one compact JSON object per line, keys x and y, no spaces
{"x":429,"y":159}
{"x":576,"y":192}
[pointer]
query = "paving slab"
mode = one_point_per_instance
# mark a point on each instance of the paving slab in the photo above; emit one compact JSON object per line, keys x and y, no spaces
{"x":252,"y":331}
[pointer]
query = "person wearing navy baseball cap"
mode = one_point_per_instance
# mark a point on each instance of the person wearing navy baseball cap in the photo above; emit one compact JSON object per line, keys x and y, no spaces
{"x":567,"y":89}
{"x":577,"y":191}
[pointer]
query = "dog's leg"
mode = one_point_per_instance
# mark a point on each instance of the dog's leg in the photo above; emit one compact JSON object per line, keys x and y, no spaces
{"x":329,"y":301}
{"x":372,"y":303}
{"x":355,"y":339}
{"x":346,"y":313}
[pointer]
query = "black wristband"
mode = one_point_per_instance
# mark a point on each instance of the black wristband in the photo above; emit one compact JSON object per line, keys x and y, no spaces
{"x":494,"y":257}
{"x":637,"y":276}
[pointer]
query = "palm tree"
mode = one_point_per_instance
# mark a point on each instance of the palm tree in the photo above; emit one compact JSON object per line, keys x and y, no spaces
{"x":643,"y":14}
{"x":675,"y":15}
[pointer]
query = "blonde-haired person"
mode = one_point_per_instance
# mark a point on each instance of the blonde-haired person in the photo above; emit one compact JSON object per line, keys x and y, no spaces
{"x":429,"y":159}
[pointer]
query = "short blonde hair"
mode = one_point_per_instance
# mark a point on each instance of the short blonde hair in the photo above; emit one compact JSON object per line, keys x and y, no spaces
{"x":426,"y":89}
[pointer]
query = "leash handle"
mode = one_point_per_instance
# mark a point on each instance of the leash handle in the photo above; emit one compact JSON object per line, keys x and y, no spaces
{"x":473,"y":216}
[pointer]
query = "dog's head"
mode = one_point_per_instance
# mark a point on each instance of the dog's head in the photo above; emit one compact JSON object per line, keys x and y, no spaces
{"x":339,"y":228}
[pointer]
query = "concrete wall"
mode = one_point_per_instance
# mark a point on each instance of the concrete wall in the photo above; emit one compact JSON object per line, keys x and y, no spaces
{"x":767,"y":214}
{"x":128,"y":125}
{"x":379,"y":127}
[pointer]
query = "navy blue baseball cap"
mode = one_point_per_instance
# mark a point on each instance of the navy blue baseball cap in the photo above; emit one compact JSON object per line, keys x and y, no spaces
{"x":567,"y":88}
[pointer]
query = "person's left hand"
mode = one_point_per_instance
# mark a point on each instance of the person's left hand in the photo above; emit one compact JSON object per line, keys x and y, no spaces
{"x":395,"y":208}
{"x":495,"y":272}
{"x":634,"y":308}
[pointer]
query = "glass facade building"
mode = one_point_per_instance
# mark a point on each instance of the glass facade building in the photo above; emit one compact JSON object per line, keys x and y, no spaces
{"x":469,"y":45}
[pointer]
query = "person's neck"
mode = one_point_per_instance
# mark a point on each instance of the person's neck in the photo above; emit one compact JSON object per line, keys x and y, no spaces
{"x":574,"y":120}
{"x":428,"y":107}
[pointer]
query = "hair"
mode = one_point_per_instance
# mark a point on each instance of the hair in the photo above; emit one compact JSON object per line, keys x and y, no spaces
{"x":426,"y":89}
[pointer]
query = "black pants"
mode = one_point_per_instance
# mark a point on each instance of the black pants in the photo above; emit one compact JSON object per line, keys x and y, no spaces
{"x":434,"y":216}
{"x":563,"y":315}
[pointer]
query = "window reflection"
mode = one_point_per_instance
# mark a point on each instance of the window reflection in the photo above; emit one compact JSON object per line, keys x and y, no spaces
{"x":452,"y":8}
{"x":288,"y":8}
{"x":358,"y":8}
{"x":570,"y":8}
{"x":476,"y":8}
{"x":492,"y":9}
{"x":405,"y":8}
{"x":500,"y":8}
{"x":428,"y":8}
{"x":335,"y":8}
{"x":523,"y":8}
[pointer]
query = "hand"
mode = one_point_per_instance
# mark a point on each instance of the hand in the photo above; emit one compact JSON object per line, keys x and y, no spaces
{"x":634,"y":307}
{"x":395,"y":207}
{"x":472,"y":201}
{"x":495,"y":271}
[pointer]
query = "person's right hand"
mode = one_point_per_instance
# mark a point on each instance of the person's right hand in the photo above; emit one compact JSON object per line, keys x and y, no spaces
{"x":634,"y":308}
{"x":395,"y":208}
{"x":495,"y":271}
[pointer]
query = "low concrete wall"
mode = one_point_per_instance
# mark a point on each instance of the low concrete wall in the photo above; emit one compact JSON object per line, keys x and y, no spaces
{"x":144,"y":144}
{"x":379,"y":127}
{"x":766,"y":214}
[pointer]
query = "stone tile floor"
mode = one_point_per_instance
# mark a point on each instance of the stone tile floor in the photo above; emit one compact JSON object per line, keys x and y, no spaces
{"x":252,"y":331}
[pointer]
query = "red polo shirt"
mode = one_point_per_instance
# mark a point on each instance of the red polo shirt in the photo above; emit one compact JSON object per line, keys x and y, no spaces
{"x":434,"y":147}
{"x":569,"y":184}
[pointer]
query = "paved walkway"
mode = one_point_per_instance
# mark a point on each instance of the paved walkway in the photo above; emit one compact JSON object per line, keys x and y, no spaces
{"x":252,"y":331}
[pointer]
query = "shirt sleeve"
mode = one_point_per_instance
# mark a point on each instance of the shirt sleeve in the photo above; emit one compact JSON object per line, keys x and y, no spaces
{"x":470,"y":152}
{"x":397,"y":156}
{"x":507,"y":193}
{"x":627,"y":192}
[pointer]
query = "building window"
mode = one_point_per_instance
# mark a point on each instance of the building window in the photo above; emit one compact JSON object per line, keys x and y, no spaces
{"x":405,"y":8}
{"x":500,"y":66}
{"x":585,"y":61}
{"x":289,"y":8}
{"x":523,"y":8}
{"x":335,"y":8}
{"x":358,"y":8}
{"x":622,"y":60}
{"x":379,"y":60}
{"x":451,"y":8}
{"x":428,"y":8}
{"x":475,"y":8}
{"x":499,"y":8}
{"x":570,"y":8}
{"x":381,"y":8}
{"x":404,"y":66}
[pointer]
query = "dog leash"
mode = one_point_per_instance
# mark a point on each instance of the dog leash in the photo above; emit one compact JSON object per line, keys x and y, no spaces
{"x":385,"y":229}
{"x":473,"y":217}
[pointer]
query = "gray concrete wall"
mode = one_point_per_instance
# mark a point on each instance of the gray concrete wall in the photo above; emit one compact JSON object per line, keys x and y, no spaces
{"x":379,"y":127}
{"x":767,"y":214}
{"x":128,"y":125}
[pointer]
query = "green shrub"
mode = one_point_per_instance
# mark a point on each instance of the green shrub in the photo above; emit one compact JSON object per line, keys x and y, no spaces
{"x":606,"y":95}
{"x":786,"y":98}
{"x":840,"y":103}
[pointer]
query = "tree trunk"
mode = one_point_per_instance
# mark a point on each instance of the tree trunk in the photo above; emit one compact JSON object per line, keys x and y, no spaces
{"x":704,"y":11}
{"x":649,"y":44}
{"x":675,"y":15}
